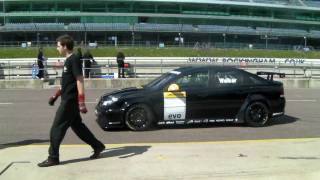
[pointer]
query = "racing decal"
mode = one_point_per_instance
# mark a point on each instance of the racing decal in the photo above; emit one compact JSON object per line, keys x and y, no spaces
{"x":168,"y":95}
{"x":227,"y":80}
{"x":174,"y":105}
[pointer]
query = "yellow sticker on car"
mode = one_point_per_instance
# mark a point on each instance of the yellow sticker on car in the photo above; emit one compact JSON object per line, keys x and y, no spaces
{"x":182,"y":94}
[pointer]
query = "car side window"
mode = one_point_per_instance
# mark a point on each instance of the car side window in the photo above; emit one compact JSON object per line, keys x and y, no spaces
{"x":197,"y":79}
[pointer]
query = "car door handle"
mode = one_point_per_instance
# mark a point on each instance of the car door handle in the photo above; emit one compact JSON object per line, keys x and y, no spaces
{"x":203,"y":95}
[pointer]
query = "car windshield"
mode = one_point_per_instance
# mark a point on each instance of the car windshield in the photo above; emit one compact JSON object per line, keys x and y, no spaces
{"x":159,"y":80}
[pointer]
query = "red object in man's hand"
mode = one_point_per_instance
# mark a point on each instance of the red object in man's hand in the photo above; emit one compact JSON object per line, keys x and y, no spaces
{"x":82,"y":105}
{"x":53,"y":98}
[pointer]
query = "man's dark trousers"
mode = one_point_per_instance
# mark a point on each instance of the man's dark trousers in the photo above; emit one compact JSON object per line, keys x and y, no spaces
{"x":68,"y":115}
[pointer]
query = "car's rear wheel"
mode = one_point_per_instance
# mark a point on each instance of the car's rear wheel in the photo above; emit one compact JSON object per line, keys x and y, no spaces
{"x":257,"y":114}
{"x":139,"y":117}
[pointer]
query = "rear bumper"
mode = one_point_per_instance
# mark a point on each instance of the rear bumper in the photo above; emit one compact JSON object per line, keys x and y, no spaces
{"x":279,"y":107}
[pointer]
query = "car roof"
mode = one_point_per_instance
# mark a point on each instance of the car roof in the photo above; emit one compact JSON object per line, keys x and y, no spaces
{"x":203,"y":67}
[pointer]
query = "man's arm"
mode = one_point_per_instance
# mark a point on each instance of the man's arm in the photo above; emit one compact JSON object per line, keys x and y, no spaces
{"x":80,"y":85}
{"x":81,"y":96}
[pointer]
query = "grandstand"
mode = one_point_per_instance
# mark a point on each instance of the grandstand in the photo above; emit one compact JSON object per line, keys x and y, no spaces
{"x":260,"y":23}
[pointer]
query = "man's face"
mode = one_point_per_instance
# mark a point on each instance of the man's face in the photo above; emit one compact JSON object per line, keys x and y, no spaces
{"x":61,"y":49}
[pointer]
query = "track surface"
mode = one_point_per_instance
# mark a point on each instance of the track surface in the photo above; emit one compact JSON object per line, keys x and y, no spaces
{"x":25,"y":118}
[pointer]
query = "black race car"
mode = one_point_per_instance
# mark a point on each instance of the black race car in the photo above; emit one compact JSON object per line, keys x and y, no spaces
{"x":198,"y":94}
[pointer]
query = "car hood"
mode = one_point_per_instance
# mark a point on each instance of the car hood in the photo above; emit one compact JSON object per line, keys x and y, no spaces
{"x":124,"y":91}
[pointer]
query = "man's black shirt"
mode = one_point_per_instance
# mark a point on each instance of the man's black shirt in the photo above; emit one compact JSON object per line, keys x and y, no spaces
{"x":71,"y":70}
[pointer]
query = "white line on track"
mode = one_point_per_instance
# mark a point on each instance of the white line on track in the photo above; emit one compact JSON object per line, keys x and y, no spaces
{"x":302,"y":100}
{"x":6,"y":103}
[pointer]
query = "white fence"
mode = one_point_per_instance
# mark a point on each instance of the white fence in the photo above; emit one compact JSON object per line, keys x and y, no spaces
{"x":154,"y":66}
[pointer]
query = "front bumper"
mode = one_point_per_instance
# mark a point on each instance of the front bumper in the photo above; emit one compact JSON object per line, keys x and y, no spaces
{"x":108,"y":117}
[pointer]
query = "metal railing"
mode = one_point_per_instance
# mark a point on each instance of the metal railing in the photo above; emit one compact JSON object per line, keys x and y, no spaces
{"x":152,"y":67}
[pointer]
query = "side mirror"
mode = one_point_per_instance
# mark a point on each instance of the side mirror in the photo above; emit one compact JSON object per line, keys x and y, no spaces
{"x":173,"y":88}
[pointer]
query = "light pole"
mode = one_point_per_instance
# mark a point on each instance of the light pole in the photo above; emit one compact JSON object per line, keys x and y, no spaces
{"x":85,"y":35}
{"x":224,"y":40}
{"x":4,"y":12}
{"x":266,"y":36}
{"x":305,"y":41}
{"x":132,"y":42}
{"x":38,"y":39}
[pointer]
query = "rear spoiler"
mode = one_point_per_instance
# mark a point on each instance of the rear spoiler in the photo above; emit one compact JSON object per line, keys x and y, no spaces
{"x":270,"y":74}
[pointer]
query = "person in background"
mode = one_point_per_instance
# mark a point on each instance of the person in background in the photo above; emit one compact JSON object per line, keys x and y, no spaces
{"x":87,"y":61}
{"x":40,"y":61}
{"x":120,"y":62}
{"x":72,"y":103}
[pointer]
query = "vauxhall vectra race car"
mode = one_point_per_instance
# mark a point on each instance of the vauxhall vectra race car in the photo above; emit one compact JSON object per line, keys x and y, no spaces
{"x":200,"y":94}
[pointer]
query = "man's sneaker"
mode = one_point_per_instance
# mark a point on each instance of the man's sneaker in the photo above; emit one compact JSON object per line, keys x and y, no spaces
{"x":96,"y":152}
{"x":49,"y":162}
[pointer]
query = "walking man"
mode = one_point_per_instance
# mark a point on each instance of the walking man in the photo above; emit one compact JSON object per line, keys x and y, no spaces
{"x":72,"y":103}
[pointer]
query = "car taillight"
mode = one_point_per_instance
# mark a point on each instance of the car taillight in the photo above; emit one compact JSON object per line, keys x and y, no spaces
{"x":282,"y":92}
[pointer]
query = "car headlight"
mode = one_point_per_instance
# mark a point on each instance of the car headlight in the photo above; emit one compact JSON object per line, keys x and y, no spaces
{"x":109,"y":101}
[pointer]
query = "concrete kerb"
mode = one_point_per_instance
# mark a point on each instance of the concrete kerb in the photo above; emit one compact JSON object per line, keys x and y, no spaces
{"x":128,"y":82}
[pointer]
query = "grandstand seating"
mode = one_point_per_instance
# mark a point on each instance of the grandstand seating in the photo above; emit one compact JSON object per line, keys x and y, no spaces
{"x":280,"y":2}
{"x":49,"y":26}
{"x":156,"y":27}
{"x":97,"y":26}
{"x":33,"y":27}
{"x":202,"y":20}
{"x":169,"y":27}
{"x":19,"y":27}
{"x":263,"y":30}
{"x":241,"y":30}
{"x":107,"y":26}
{"x":188,"y":28}
{"x":76,"y":27}
{"x":312,"y":3}
{"x":121,"y":26}
{"x":239,"y":0}
{"x":148,"y":27}
{"x":212,"y":28}
{"x":288,"y":32}
{"x":315,"y":34}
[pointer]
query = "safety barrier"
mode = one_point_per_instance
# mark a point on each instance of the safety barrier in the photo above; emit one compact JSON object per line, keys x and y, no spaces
{"x":139,"y":67}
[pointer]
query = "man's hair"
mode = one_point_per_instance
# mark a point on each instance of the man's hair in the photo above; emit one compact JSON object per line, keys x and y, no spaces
{"x":120,"y":55}
{"x":66,"y":40}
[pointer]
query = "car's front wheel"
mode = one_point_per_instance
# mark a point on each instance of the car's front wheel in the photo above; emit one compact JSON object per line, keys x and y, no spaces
{"x":139,"y":117}
{"x":257,"y":114}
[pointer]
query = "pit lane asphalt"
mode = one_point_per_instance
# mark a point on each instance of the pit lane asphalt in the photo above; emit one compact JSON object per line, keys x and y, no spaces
{"x":25,"y":118}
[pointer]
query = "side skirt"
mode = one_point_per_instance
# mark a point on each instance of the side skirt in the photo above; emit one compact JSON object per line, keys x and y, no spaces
{"x":199,"y":121}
